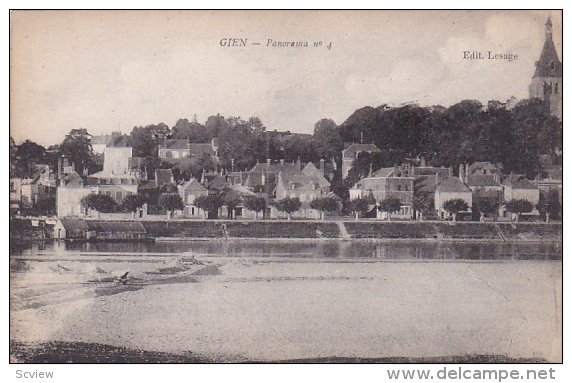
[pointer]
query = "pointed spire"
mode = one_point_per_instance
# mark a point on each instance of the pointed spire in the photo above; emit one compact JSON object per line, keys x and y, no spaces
{"x":548,"y":29}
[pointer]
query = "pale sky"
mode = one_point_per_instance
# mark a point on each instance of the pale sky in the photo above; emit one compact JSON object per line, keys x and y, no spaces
{"x":107,"y":71}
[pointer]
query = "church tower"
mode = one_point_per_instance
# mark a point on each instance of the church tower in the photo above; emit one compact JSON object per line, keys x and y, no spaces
{"x":547,"y":80}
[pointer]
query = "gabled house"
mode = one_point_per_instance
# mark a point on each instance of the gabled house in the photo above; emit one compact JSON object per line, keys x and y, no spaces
{"x":515,"y":187}
{"x":295,"y":184}
{"x":395,"y":182}
{"x":189,"y":192}
{"x":449,"y":189}
{"x":484,"y":180}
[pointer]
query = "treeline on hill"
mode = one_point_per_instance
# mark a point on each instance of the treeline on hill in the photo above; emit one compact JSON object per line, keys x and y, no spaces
{"x":462,"y":133}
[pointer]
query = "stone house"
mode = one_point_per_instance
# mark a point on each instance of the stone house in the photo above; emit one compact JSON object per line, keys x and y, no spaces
{"x":395,"y":182}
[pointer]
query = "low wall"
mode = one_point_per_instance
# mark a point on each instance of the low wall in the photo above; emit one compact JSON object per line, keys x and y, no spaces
{"x":22,"y":230}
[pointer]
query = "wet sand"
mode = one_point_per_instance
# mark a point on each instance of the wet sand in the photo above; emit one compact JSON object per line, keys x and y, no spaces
{"x":276,"y":309}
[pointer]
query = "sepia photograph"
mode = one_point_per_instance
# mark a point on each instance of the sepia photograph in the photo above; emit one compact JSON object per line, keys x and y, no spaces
{"x":286,"y":186}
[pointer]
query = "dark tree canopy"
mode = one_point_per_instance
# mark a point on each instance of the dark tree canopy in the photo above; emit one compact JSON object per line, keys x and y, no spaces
{"x":100,"y":202}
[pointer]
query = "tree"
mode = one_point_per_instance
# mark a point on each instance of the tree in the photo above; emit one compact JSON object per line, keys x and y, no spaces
{"x":77,"y":148}
{"x":256,"y":204}
{"x":29,"y":154}
{"x":325,"y":204}
{"x":171,"y":202}
{"x":231,"y":199}
{"x":519,"y":206}
{"x":486,"y":206}
{"x":390,"y":205}
{"x":327,"y":140}
{"x":102,"y":203}
{"x":288,"y":205}
{"x":209,"y":203}
{"x":132,"y":202}
{"x":550,"y":208}
{"x":454,"y":206}
{"x":358,"y":206}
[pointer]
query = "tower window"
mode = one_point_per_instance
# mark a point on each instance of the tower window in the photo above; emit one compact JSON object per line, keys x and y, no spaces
{"x":551,"y":64}
{"x":556,"y":88}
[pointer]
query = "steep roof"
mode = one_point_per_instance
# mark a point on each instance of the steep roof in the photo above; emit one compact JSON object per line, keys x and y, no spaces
{"x":518,"y":181}
{"x":477,"y":167}
{"x":73,"y":224}
{"x":193,"y":185}
{"x":243,"y":191}
{"x":311,"y":170}
{"x":175,"y":144}
{"x":383,"y":172}
{"x":548,"y":65}
{"x":453,"y":185}
{"x":353,"y":149}
{"x":218,"y":182}
{"x":482,"y":180}
{"x":298,"y":178}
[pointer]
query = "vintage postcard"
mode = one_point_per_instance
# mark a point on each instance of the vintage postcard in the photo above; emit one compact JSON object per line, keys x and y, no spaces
{"x":286,"y":186}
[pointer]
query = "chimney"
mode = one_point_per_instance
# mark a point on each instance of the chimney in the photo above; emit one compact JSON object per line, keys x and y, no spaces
{"x":282,"y":162}
{"x":263,"y":179}
{"x":232,"y":165}
{"x":423,"y":162}
{"x":268,"y":161}
{"x":298,"y":163}
{"x":412,"y":170}
{"x":370,"y":169}
{"x":462,"y":172}
{"x":334,"y":164}
{"x":395,"y":170}
{"x":437,"y":178}
{"x":466,"y":171}
{"x":361,"y":138}
{"x":451,"y":171}
{"x":322,"y":164}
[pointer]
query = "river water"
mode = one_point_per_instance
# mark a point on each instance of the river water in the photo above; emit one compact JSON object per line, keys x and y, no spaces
{"x":282,"y":300}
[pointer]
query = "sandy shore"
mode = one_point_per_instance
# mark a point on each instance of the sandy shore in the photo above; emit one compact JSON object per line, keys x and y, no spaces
{"x":270,"y":309}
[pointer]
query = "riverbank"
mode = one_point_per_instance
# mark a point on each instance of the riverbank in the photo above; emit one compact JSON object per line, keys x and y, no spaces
{"x":287,"y":309}
{"x":362,"y":230}
{"x":173,"y":230}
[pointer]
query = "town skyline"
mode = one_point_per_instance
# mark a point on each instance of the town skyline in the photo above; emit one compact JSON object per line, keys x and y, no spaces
{"x":115,"y":86}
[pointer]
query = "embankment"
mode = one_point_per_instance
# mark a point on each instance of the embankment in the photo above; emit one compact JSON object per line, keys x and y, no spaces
{"x":22,"y":230}
{"x":166,"y":230}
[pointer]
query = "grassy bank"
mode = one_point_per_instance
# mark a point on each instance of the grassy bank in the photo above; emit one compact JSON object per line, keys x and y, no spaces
{"x":457,"y":231}
{"x":241,"y":229}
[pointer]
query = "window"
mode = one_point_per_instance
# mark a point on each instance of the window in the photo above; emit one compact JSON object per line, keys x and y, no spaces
{"x":398,"y":187}
{"x":119,"y":196}
{"x":406,"y":187}
{"x":556,"y":88}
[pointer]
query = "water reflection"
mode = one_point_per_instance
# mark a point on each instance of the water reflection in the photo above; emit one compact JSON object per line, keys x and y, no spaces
{"x":398,"y":250}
